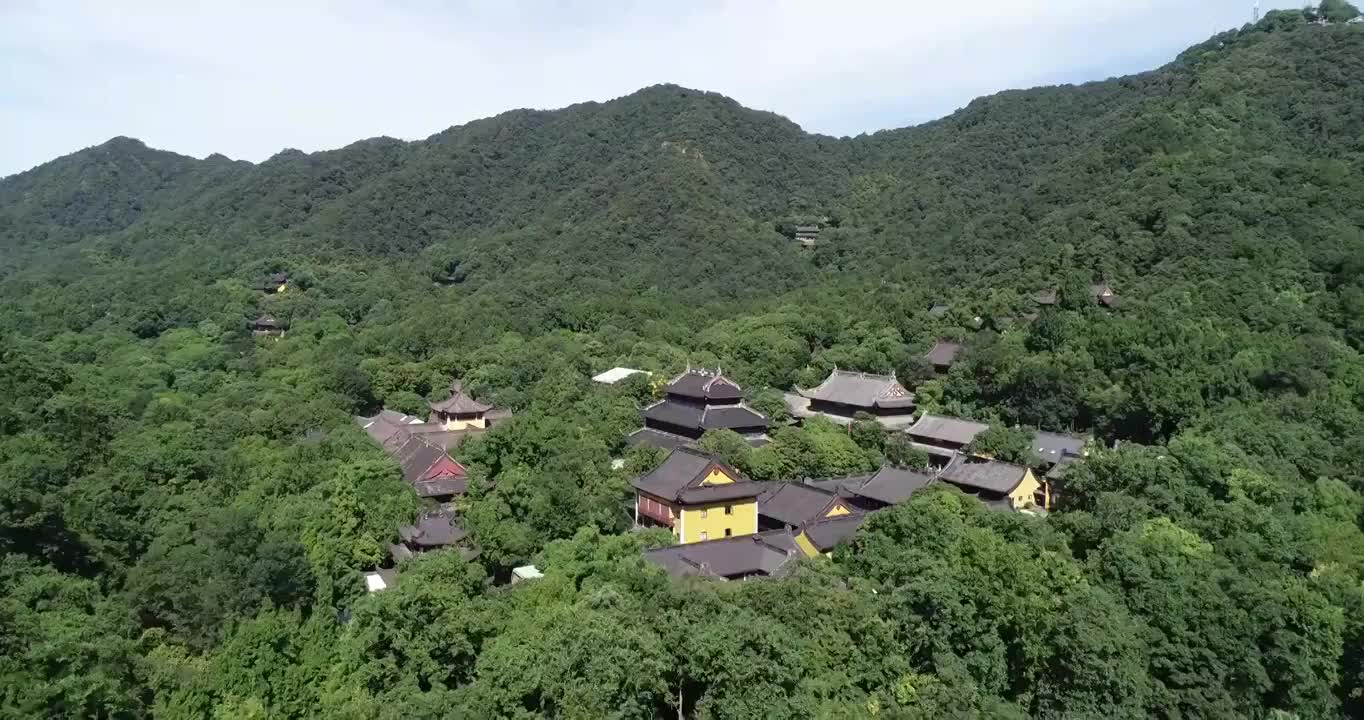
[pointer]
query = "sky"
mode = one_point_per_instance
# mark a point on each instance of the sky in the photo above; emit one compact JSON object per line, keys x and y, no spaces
{"x":250,"y":78}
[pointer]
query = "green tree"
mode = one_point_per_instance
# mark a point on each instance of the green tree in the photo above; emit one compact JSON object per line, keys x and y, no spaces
{"x":1337,"y":11}
{"x":1003,"y":443}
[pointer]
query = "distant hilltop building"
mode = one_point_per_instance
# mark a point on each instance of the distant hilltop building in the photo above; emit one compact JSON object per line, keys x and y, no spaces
{"x":274,"y":283}
{"x":699,"y":400}
{"x":807,"y":235}
{"x":1102,"y":293}
{"x":267,"y":325}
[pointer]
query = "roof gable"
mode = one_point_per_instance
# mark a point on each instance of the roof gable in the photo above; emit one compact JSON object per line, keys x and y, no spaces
{"x":702,"y":384}
{"x":829,"y":532}
{"x":798,"y":504}
{"x":683,"y":474}
{"x":860,"y":389}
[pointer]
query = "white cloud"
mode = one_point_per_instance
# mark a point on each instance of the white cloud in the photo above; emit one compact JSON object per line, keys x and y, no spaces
{"x":250,"y":78}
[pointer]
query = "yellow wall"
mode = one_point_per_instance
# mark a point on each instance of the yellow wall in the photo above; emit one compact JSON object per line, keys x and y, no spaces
{"x":836,"y":511}
{"x":452,"y":424}
{"x":1026,"y":491}
{"x":743,"y":521}
{"x":806,"y":546}
{"x":717,"y":477}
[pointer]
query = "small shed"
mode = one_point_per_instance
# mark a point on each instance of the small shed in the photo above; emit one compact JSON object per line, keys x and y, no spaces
{"x":525,"y":572}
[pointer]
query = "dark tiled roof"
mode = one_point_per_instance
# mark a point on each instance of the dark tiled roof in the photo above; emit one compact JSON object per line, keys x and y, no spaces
{"x":435,"y":528}
{"x":768,"y":554}
{"x":842,"y":485}
{"x":807,"y":228}
{"x":1103,"y":294}
{"x":447,"y":440}
{"x":700,"y":384}
{"x":721,"y":493}
{"x":947,"y":429}
{"x":680,"y":474}
{"x":658,"y":439}
{"x":1049,"y":447}
{"x":399,"y":552}
{"x":862,"y":390}
{"x":416,"y":456}
{"x":679,"y":470}
{"x":827,"y":533}
{"x":675,"y":412}
{"x":384,"y":426}
{"x":943,"y":353}
{"x":732,"y":416}
{"x":975,"y":473}
{"x":938,"y":311}
{"x":688,"y":414}
{"x":892,"y":484}
{"x":1059,"y":469}
{"x":460,"y":402}
{"x":418,"y":448}
{"x":441,"y":487}
{"x":795,"y":504}
{"x":268,"y":321}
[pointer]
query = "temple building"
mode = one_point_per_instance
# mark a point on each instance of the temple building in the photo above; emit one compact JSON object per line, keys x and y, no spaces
{"x":890,"y":485}
{"x":943,"y":437}
{"x":268,"y":325}
{"x":274,"y":283}
{"x":844,"y":394}
{"x":698,"y":496}
{"x":992,"y":480}
{"x":942,"y":355}
{"x":422,"y":451}
{"x":436,"y":529}
{"x":460,"y":411}
{"x":697,"y":401}
{"x":770,"y":554}
{"x":819,"y":518}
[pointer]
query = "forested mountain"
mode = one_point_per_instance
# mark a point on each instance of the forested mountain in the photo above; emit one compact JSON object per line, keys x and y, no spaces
{"x":185,"y":509}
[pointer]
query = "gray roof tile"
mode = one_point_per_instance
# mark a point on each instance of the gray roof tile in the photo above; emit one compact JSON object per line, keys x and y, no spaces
{"x":973,"y":473}
{"x":863,"y":390}
{"x":946,"y":429}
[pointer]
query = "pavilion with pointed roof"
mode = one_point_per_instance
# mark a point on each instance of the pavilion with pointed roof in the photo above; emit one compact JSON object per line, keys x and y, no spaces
{"x":461,"y":411}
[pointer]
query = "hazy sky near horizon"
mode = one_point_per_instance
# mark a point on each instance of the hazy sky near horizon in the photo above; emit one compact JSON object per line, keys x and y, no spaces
{"x":250,"y":78}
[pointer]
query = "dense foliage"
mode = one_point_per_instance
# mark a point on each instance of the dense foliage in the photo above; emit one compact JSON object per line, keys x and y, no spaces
{"x":185,"y":509}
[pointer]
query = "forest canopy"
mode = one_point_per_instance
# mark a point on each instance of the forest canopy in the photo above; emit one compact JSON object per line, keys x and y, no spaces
{"x":186,"y":507}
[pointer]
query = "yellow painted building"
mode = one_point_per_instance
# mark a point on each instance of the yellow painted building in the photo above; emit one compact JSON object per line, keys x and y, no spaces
{"x":1027,"y":491}
{"x":711,"y":522}
{"x":993,"y":479}
{"x":698,"y":496}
